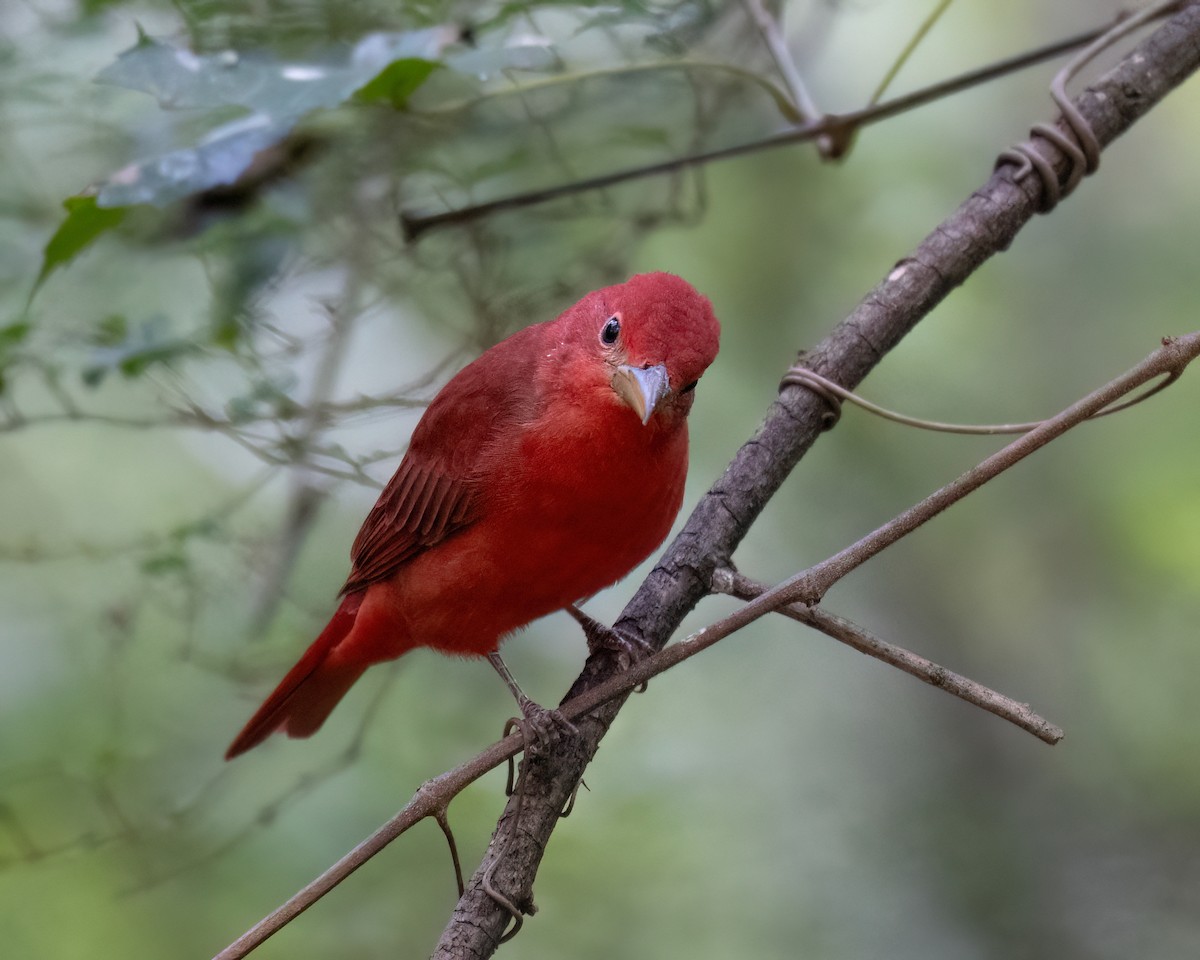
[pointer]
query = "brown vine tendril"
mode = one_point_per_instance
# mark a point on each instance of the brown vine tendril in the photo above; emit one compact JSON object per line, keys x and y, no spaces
{"x":833,"y":394}
{"x":1078,"y":142}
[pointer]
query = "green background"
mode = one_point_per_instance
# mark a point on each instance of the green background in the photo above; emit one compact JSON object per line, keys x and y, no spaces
{"x":779,"y":796}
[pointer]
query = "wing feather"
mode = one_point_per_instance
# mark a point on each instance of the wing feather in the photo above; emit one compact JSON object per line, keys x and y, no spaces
{"x":440,"y":486}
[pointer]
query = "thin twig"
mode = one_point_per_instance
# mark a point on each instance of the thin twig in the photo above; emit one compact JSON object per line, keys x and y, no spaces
{"x":443,"y":821}
{"x":306,"y":493}
{"x":802,"y":376}
{"x":809,"y":586}
{"x":846,"y":631}
{"x":197,"y":419}
{"x":773,"y":37}
{"x":909,"y":49}
{"x":430,"y":798}
{"x":624,"y":70}
{"x":841,"y":127}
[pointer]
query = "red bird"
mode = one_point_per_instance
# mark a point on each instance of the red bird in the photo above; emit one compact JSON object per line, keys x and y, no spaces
{"x":542,"y":472}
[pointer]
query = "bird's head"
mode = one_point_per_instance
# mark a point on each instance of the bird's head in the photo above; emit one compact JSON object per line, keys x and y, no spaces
{"x":647,"y":341}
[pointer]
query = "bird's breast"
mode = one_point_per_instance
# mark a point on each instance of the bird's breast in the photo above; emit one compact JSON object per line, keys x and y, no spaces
{"x":594,"y":481}
{"x":567,"y":511}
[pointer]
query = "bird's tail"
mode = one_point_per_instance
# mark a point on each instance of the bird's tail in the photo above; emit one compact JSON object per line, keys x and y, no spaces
{"x":311,"y":689}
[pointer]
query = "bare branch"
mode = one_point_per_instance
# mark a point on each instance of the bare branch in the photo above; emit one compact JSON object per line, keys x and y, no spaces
{"x":735,"y":585}
{"x":773,"y":37}
{"x":429,"y":801}
{"x":809,"y":586}
{"x":839,"y":127}
{"x":910,"y":48}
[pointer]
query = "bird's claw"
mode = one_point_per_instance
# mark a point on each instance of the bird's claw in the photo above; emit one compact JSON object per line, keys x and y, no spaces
{"x":629,"y":649}
{"x":543,"y":729}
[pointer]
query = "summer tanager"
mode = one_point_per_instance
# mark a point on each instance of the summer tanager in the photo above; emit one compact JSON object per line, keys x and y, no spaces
{"x":542,"y":472}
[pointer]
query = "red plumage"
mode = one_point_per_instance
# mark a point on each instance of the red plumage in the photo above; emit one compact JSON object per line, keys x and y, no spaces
{"x":530,"y":482}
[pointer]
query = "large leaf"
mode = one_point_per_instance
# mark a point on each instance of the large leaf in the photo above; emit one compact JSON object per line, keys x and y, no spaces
{"x":218,"y":159}
{"x":178,"y":78}
{"x":277,"y":94}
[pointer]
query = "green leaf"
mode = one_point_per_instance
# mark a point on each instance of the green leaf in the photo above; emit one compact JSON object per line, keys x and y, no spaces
{"x":111,"y":331}
{"x":161,"y":564}
{"x":397,"y":82}
{"x":13,"y":334}
{"x":86,"y":220}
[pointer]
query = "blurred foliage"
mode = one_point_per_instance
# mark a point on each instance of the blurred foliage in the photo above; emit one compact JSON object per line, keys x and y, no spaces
{"x":210,"y":378}
{"x":84,"y":223}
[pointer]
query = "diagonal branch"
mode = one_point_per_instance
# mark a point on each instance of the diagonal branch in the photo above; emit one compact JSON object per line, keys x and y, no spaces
{"x":985,"y":224}
{"x":809,"y":586}
{"x":733,"y":583}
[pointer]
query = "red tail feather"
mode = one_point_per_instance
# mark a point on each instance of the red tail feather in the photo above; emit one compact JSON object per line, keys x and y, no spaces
{"x":311,"y":689}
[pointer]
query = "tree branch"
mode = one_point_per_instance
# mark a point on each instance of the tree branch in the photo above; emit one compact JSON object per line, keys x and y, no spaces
{"x":735,"y":585}
{"x":834,"y":129}
{"x":776,"y":44}
{"x":985,"y":224}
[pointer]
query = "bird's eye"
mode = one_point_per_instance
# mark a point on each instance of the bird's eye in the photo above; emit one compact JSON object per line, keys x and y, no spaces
{"x":690,"y":387}
{"x":610,"y":331}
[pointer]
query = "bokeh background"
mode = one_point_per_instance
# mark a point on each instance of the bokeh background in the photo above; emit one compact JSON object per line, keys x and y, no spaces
{"x":779,"y":796}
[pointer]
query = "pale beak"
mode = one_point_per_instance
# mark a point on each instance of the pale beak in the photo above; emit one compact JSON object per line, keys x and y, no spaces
{"x":642,"y":388}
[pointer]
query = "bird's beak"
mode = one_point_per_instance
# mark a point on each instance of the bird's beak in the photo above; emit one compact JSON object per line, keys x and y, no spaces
{"x":641,"y":387}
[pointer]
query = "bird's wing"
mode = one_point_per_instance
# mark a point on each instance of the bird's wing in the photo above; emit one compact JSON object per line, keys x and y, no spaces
{"x":419,"y":507}
{"x":440,"y":486}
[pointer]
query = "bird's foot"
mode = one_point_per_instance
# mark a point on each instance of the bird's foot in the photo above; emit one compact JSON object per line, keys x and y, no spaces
{"x":543,"y":729}
{"x":629,"y":649}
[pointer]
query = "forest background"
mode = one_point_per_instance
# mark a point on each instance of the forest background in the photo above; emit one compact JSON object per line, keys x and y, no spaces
{"x":197,"y":409}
